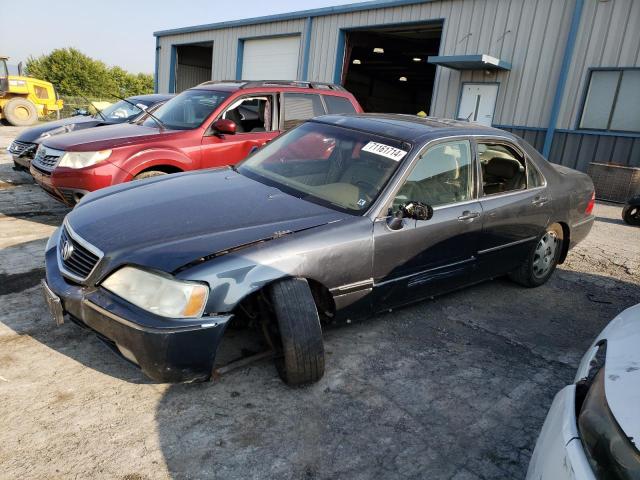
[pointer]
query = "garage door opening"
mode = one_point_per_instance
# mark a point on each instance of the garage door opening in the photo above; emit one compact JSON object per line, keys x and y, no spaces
{"x":387,"y":69}
{"x":193,"y":65}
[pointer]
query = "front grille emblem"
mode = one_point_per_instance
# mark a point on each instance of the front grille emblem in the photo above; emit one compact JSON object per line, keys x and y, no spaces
{"x":67,"y":250}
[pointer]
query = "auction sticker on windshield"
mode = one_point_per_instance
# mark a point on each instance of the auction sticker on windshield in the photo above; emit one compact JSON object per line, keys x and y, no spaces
{"x":384,"y":150}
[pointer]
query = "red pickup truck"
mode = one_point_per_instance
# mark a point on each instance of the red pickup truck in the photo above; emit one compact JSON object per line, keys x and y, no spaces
{"x":211,"y":125}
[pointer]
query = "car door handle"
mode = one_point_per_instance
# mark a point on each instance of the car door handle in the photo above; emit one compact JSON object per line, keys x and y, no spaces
{"x":539,"y":201}
{"x":468,"y":215}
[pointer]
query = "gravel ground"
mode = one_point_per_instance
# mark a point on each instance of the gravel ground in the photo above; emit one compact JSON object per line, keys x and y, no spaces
{"x":456,"y":388}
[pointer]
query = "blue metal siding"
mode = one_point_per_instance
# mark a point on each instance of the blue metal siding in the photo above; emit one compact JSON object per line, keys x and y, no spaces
{"x":564,"y":71}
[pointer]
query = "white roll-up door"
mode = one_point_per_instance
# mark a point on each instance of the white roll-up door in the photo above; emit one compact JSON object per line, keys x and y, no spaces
{"x":271,"y":58}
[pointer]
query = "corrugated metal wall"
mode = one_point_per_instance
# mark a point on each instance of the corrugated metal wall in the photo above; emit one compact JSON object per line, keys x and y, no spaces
{"x":609,"y":36}
{"x":528,"y":34}
{"x":225,"y":46}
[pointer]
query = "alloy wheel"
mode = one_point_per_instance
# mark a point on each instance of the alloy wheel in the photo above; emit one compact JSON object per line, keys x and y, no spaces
{"x":545,"y":254}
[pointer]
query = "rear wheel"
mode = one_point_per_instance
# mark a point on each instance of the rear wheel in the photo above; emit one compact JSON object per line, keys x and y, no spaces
{"x":302,"y":360}
{"x":542,"y":259}
{"x":149,"y":174}
{"x":631,"y":214}
{"x":20,"y":112}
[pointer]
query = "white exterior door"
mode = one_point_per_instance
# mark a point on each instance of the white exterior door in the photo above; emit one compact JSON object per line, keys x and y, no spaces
{"x":271,"y":58}
{"x":478,"y":102}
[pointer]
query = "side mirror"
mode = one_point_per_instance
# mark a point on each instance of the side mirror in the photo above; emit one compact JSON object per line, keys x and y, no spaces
{"x":412,"y":210}
{"x":80,"y":112}
{"x":418,"y":211}
{"x":224,"y":126}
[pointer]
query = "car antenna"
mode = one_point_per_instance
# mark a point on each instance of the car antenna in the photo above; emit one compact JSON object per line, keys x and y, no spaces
{"x":92,"y":105}
{"x":156,"y":119}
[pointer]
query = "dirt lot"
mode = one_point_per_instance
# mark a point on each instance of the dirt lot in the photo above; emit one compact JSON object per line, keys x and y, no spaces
{"x":454,"y":388}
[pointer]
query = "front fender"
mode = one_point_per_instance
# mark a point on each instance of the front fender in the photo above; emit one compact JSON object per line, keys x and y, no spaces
{"x":148,"y":158}
{"x":238,"y":277}
{"x":332,"y":255}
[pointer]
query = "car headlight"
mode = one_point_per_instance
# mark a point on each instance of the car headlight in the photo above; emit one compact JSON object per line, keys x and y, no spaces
{"x":158,"y":294}
{"x":83,"y":159}
{"x":610,"y":452}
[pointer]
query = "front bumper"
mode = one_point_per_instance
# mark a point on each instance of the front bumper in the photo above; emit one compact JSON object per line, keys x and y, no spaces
{"x":559,"y":454}
{"x":68,"y":185}
{"x":22,"y":162}
{"x":21,"y":158}
{"x":166,"y":350}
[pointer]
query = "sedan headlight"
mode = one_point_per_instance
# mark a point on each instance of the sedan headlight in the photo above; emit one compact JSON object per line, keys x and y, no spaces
{"x":83,"y":159}
{"x":611,"y":453}
{"x":158,"y":294}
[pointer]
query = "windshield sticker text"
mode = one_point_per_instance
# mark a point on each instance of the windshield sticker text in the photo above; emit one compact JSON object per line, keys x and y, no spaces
{"x":384,"y":150}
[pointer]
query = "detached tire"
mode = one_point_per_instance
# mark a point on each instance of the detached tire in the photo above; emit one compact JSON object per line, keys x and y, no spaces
{"x":302,"y":359}
{"x":20,"y":112}
{"x":631,"y":215}
{"x":149,"y":174}
{"x":541,"y":260}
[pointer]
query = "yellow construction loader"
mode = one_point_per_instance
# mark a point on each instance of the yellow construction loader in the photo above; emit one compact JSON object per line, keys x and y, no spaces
{"x":24,"y":99}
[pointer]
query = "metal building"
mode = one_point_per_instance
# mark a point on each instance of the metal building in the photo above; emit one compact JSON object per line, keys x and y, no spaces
{"x":563,"y":74}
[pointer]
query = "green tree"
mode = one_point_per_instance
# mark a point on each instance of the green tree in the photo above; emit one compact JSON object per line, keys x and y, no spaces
{"x":74,"y":73}
{"x":129,"y":84}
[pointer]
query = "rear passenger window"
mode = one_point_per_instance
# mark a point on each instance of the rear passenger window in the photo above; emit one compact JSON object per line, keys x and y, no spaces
{"x":534,"y":177}
{"x":338,"y":105}
{"x":299,"y":107}
{"x":503,"y":170}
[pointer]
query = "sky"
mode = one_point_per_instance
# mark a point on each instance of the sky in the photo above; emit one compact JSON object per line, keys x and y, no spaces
{"x":120,"y":32}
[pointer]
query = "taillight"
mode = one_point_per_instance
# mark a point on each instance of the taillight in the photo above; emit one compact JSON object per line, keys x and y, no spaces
{"x":591,"y":204}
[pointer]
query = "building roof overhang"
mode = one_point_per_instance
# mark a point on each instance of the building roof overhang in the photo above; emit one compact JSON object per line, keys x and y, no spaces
{"x":470,"y":62}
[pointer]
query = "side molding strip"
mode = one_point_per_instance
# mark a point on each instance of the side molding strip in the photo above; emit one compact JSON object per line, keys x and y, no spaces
{"x":506,"y":245}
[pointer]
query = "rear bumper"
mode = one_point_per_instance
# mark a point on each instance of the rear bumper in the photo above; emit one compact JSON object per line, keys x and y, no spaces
{"x":69,"y":185}
{"x":559,"y":454}
{"x":580,"y":230}
{"x":166,"y":350}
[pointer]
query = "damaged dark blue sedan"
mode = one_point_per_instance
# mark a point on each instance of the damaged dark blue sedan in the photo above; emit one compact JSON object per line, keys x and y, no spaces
{"x":342,"y":215}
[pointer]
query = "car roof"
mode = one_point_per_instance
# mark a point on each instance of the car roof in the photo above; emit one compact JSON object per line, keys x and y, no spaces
{"x":151,"y":98}
{"x":409,"y":128}
{"x":234,"y":85}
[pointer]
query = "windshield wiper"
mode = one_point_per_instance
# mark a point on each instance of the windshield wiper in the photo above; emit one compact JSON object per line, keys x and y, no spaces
{"x":161,"y":125}
{"x":90,"y":104}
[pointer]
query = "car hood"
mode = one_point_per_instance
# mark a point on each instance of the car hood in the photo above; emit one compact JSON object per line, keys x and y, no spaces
{"x":56,"y":127}
{"x":622,"y":370}
{"x":110,"y":136}
{"x":170,"y":221}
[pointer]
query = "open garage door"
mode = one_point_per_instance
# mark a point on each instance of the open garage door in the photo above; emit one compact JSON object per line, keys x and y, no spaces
{"x":271,"y":58}
{"x":193,"y":65}
{"x":386,"y":68}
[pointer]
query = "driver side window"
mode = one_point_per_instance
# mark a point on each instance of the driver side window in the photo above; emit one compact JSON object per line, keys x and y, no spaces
{"x":442,"y":175}
{"x":251,"y":114}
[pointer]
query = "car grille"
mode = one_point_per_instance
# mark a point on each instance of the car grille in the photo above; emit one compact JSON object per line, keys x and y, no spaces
{"x":46,"y":159}
{"x":17,"y":148}
{"x":81,"y":261}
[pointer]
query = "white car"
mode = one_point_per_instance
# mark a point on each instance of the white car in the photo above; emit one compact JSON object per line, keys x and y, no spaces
{"x":592,"y":430}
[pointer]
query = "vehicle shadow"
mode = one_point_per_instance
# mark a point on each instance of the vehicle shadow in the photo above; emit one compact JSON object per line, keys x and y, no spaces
{"x":23,"y":310}
{"x":615,"y":221}
{"x":32,"y":319}
{"x":21,"y":197}
{"x":455,"y":386}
